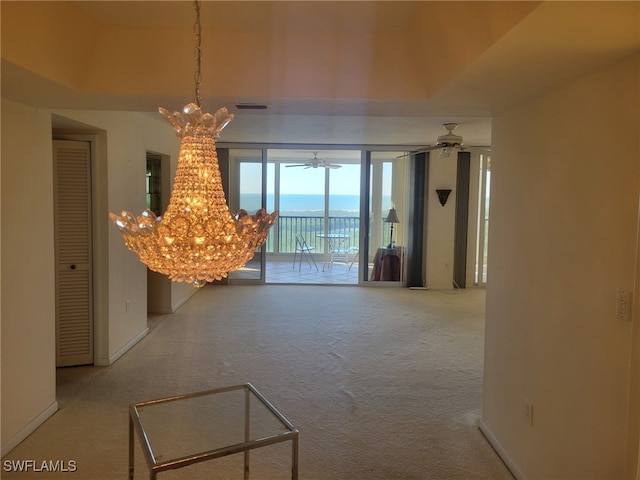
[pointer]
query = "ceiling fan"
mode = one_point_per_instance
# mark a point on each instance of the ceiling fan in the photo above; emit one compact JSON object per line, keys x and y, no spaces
{"x":449,"y":142}
{"x":316,"y":162}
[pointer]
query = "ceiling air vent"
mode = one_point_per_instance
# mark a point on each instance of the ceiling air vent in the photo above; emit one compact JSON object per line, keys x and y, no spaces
{"x":251,"y":106}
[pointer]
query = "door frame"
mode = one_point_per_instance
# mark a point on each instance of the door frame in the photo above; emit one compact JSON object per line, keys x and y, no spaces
{"x":99,"y":234}
{"x":232,"y":174}
{"x":73,"y":266}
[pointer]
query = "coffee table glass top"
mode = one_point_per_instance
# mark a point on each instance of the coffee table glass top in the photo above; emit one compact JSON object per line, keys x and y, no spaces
{"x":205,"y":422}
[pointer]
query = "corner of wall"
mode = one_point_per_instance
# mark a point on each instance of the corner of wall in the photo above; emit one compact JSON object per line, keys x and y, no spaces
{"x":500,"y":450}
{"x":15,"y":440}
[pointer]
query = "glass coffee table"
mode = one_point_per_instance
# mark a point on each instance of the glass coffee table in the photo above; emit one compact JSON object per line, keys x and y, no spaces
{"x":178,"y":431}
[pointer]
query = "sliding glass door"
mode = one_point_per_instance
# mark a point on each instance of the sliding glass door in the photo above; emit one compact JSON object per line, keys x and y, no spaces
{"x":248,"y":172}
{"x":386,"y":180}
{"x":301,"y":195}
{"x":482,"y":237}
{"x":317,"y":194}
{"x":348,"y":206}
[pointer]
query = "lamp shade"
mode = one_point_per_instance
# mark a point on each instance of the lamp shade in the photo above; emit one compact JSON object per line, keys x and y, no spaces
{"x":392,"y":216}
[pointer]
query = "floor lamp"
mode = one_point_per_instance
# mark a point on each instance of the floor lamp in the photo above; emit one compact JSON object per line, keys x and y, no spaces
{"x":392,"y":217}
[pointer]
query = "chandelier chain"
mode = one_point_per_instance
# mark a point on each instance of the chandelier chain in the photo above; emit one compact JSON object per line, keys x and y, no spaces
{"x":198,"y":53}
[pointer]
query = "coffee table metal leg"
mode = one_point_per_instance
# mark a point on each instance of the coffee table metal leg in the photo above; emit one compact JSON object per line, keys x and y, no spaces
{"x":294,"y":458}
{"x":131,"y":439}
{"x":247,"y":430}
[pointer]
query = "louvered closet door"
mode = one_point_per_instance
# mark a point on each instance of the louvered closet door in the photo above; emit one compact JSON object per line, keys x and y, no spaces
{"x":74,"y":309}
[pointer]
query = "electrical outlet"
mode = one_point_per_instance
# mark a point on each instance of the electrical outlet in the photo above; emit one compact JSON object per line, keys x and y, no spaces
{"x":528,"y":412}
{"x":623,"y":304}
{"x":126,"y":305}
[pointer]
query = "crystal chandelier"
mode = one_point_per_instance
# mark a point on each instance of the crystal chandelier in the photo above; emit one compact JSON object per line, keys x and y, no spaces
{"x":197,"y":240}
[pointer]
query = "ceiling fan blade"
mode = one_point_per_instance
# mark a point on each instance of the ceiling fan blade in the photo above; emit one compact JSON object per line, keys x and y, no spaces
{"x":331,"y":165}
{"x":299,"y":165}
{"x":428,"y":148}
{"x":448,"y":144}
{"x":479,"y":149}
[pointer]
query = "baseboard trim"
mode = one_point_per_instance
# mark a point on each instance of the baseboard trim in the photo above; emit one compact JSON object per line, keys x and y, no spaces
{"x":500,"y":450}
{"x":172,"y":309}
{"x":127,"y":346}
{"x":182,"y":301}
{"x":14,"y":441}
{"x":160,"y":310}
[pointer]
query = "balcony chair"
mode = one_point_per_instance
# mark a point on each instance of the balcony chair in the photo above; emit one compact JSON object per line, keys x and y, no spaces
{"x":355,"y":251}
{"x":305,"y":251}
{"x":340,"y":252}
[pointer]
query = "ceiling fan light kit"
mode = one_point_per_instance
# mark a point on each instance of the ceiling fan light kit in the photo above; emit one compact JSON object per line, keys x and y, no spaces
{"x":449,"y":139}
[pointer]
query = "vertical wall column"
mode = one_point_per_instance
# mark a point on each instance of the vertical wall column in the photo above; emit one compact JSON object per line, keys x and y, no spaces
{"x":461,"y":220}
{"x":418,"y":166}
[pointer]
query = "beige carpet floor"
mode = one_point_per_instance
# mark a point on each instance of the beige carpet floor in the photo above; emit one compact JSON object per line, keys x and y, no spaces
{"x":383,"y":383}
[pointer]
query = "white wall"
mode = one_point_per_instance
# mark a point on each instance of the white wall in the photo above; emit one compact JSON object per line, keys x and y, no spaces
{"x":28,"y":271}
{"x":127,"y":139}
{"x":165,"y":296}
{"x":440,"y":230}
{"x":563,"y":230}
{"x":28,"y":328}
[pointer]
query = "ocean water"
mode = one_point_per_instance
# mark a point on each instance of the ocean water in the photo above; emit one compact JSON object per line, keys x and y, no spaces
{"x":297,"y":204}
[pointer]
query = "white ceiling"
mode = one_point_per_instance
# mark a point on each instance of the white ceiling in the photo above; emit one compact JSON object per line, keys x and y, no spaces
{"x":550,"y":45}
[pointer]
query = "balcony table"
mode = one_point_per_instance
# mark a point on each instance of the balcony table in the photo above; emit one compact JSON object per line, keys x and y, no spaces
{"x":337,"y":244}
{"x":389,"y":270}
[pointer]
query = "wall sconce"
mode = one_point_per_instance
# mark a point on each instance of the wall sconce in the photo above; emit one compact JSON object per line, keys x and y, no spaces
{"x":443,"y":195}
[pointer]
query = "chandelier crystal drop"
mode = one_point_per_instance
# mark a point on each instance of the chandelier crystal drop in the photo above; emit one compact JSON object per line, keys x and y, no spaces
{"x":197,"y":240}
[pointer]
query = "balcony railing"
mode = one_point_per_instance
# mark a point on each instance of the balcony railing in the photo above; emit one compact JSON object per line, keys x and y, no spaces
{"x":310,"y":227}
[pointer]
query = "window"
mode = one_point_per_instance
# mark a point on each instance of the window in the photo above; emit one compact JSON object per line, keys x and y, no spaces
{"x":482,"y":238}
